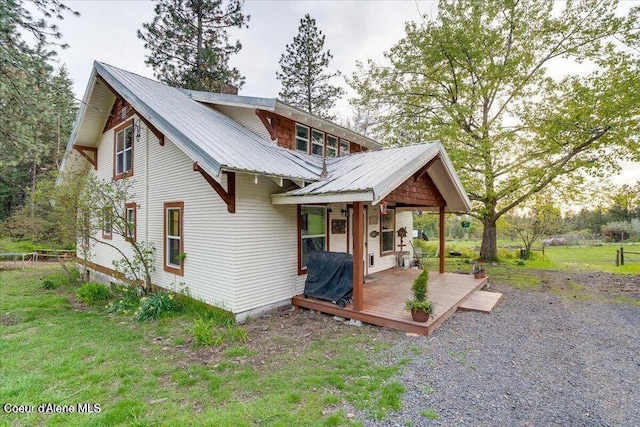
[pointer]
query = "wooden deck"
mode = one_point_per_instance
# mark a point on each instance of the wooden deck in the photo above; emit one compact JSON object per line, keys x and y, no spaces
{"x":385,"y":294}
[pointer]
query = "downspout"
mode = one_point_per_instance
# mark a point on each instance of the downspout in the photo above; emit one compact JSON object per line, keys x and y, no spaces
{"x":146,"y":185}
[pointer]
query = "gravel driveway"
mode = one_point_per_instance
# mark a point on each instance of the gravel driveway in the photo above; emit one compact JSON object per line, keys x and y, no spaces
{"x":539,"y":360}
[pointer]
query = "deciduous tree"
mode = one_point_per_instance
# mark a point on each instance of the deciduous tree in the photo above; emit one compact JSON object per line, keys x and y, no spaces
{"x":303,"y":72}
{"x":524,"y":95}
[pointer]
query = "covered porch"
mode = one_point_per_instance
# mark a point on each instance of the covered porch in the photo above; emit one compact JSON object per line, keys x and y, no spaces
{"x":384,"y":295}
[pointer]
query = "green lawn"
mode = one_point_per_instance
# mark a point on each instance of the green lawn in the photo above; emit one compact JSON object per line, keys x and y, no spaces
{"x":55,"y":351}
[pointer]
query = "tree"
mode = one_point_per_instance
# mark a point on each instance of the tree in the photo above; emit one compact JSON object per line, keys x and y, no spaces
{"x":625,"y":203}
{"x":304,"y":76}
{"x":479,"y":77}
{"x":541,"y":218}
{"x":36,"y":102}
{"x":104,"y":202}
{"x":189,"y":46}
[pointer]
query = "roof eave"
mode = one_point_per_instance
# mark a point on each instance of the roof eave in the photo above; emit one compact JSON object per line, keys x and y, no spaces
{"x":346,"y":197}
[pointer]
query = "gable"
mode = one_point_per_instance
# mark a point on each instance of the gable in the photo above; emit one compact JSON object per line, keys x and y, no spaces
{"x":418,"y":190}
{"x":120,"y":112}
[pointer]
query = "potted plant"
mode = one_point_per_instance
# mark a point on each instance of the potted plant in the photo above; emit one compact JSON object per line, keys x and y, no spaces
{"x":479,"y":271}
{"x":419,"y":306}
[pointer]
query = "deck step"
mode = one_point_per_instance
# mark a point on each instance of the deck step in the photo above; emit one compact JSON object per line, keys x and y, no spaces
{"x":481,"y":301}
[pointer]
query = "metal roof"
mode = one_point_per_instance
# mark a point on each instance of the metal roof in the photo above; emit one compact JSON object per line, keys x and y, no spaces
{"x":370,"y":176}
{"x":283,"y":109}
{"x":208,"y":137}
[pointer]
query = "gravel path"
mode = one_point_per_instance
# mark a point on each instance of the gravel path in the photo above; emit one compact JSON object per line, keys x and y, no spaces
{"x":538,"y":360}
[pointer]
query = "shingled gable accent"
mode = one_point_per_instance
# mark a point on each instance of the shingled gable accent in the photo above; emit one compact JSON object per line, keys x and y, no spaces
{"x":418,"y":190}
{"x":123,"y":111}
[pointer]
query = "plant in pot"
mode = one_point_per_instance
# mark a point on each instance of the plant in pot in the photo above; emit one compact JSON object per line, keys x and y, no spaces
{"x":419,"y":306}
{"x":479,"y":271}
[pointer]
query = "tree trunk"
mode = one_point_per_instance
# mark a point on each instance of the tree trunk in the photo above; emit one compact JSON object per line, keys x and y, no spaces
{"x":489,"y":248}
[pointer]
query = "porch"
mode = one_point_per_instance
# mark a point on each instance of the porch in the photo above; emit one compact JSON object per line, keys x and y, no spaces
{"x":385,"y":293}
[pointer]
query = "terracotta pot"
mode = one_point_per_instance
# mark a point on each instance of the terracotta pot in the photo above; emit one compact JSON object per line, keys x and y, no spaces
{"x":478,"y":275}
{"x":419,"y":315}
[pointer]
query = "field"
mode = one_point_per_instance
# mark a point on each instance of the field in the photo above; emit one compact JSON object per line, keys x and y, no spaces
{"x":295,"y":368}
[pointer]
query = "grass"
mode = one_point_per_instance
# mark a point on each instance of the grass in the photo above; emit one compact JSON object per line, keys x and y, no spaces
{"x":55,"y":351}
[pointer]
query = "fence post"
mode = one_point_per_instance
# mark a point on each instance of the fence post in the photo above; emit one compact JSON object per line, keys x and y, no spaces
{"x":621,"y":256}
{"x":617,"y":257}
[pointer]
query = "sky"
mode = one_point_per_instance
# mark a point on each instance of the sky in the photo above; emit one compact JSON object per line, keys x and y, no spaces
{"x":354,"y":30}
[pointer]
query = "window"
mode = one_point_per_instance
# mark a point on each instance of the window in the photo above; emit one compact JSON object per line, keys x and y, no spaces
{"x":174,"y":241}
{"x":130,"y":216}
{"x":317,"y":140}
{"x":123,"y":148}
{"x":302,"y":138}
{"x":387,"y":223}
{"x":312,"y":226}
{"x":344,"y":147}
{"x":107,"y":223}
{"x":332,"y":146}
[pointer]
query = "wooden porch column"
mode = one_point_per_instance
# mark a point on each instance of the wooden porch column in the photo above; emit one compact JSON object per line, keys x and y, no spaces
{"x":441,"y":239}
{"x":358,"y":267}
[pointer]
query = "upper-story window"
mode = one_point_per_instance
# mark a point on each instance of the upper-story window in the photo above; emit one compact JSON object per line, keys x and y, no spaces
{"x":317,"y":143}
{"x":123,"y":151}
{"x":302,"y":138}
{"x":332,"y":146}
{"x":344,"y":147}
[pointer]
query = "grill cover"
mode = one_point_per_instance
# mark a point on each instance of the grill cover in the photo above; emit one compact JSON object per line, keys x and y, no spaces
{"x":330,"y":276}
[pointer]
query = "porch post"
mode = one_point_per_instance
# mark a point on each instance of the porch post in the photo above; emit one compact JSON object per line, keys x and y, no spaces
{"x":358,"y":268}
{"x":441,"y":239}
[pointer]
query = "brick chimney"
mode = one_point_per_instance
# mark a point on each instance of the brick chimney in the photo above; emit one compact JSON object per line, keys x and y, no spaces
{"x":228,"y":89}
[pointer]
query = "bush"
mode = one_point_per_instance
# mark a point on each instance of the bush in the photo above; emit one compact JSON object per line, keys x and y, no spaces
{"x":205,"y":333}
{"x":92,"y":292}
{"x":56,"y":280}
{"x":127,"y":300}
{"x":155,"y":305}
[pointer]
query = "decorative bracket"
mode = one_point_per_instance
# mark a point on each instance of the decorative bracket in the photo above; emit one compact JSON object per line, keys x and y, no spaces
{"x":228,"y":196}
{"x":264,"y":118}
{"x":84,"y":151}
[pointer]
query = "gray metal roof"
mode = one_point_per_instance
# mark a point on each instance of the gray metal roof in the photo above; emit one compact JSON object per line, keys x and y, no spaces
{"x":212,"y":139}
{"x":372,"y":175}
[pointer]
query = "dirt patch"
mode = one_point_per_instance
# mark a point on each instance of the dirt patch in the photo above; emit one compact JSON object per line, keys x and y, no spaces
{"x":273,"y":339}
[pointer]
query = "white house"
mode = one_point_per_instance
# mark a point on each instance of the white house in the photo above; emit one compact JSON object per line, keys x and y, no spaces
{"x":245,"y":187}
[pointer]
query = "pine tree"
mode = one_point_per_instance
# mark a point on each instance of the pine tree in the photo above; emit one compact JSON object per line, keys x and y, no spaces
{"x":189,"y":45}
{"x":304,"y":76}
{"x":37,"y":105}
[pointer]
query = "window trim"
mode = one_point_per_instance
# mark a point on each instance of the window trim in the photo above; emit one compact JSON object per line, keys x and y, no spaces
{"x":107,"y":213}
{"x":301,"y":270}
{"x":393,"y":249}
{"x":132,"y":206}
{"x":122,"y":128}
{"x":165,"y":254}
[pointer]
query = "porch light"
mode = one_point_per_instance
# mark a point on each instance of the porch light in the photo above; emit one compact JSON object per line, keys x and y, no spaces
{"x":344,"y":212}
{"x":329,"y":210}
{"x":383,"y":208}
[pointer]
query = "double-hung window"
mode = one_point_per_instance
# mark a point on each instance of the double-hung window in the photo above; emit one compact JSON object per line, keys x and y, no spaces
{"x":107,"y":223}
{"x":174,"y":239}
{"x":344,"y":147}
{"x":302,"y":138}
{"x":317,"y":140}
{"x":313,"y":232}
{"x":123,"y":151}
{"x":387,"y":222}
{"x":130,"y":216}
{"x":332,"y":146}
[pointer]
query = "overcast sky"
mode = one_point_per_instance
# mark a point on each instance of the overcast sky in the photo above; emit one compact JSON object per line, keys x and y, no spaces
{"x":355,"y":30}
